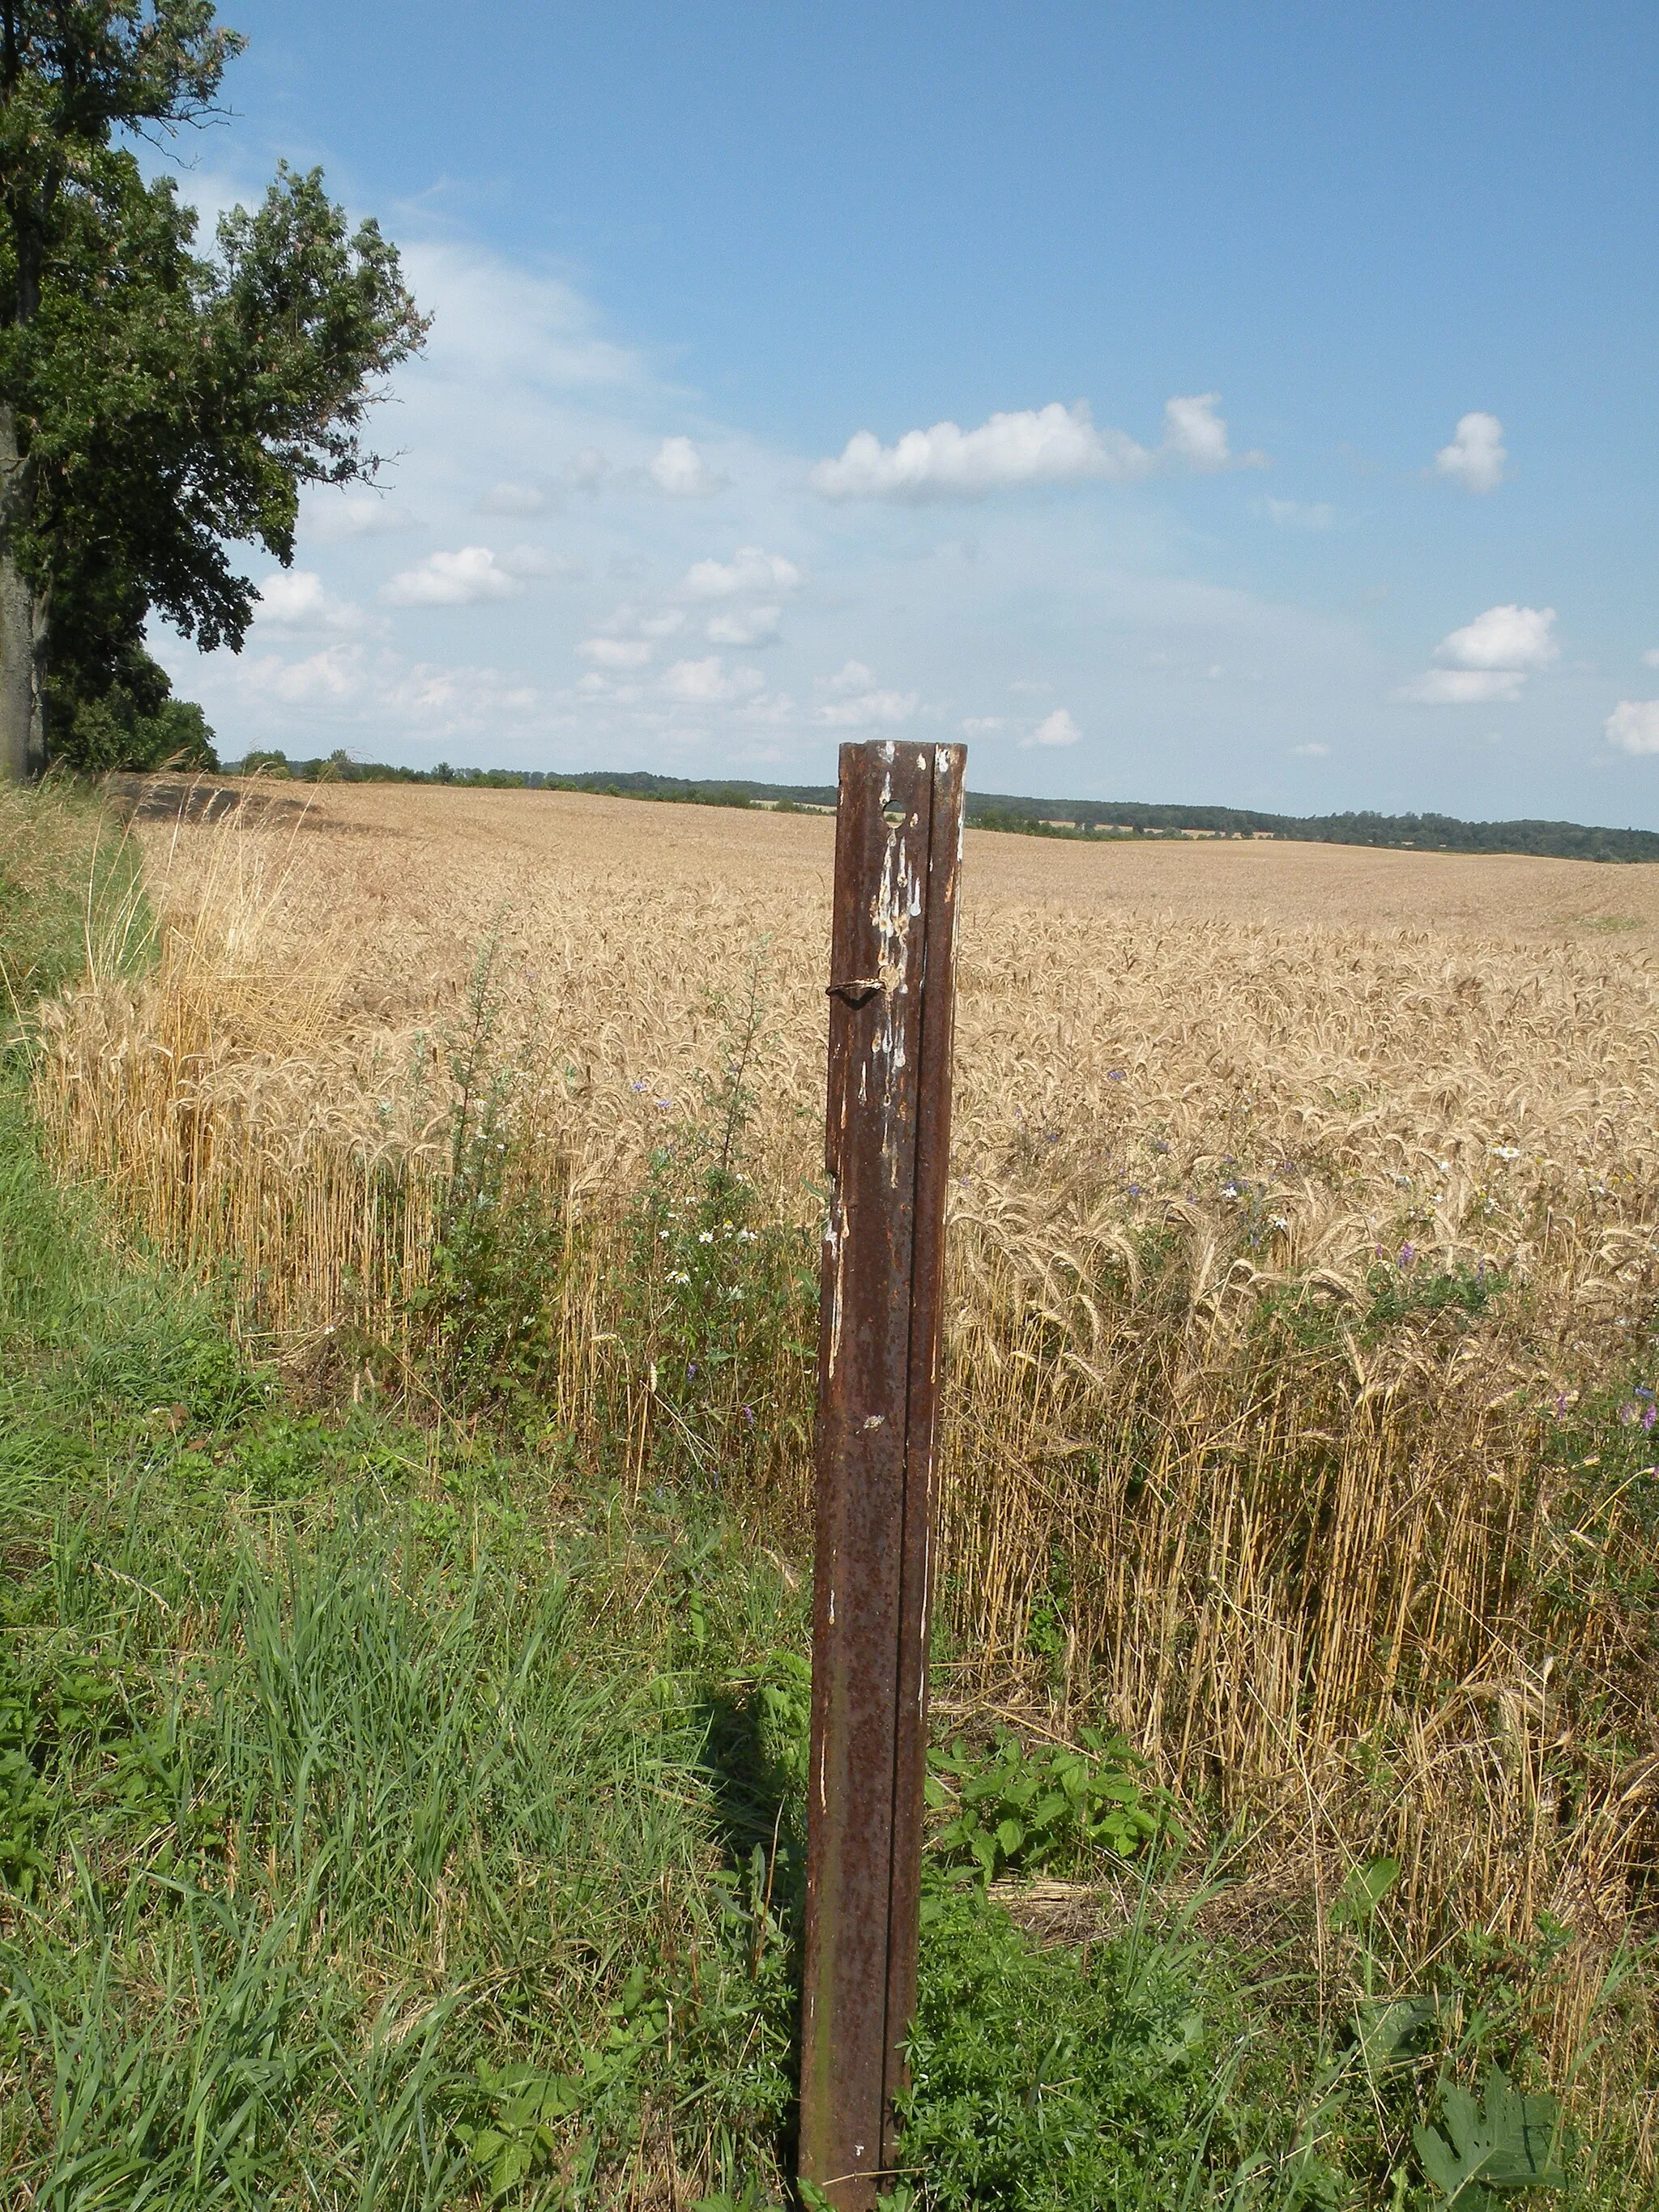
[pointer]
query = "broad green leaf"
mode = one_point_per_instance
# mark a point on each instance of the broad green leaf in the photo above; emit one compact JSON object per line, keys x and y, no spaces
{"x":1386,"y":2028}
{"x":1510,"y":2141}
{"x":1362,"y":1891}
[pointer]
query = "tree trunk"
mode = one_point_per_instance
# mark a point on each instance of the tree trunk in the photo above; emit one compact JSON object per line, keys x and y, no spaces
{"x":22,"y":625}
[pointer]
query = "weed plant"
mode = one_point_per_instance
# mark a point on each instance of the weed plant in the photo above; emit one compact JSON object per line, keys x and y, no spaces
{"x":1044,"y":2077}
{"x":1052,"y":1807}
{"x":720,"y":1312}
{"x":483,"y":1316}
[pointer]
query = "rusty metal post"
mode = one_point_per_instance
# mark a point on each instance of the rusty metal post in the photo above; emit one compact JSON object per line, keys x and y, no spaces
{"x":898,"y":843}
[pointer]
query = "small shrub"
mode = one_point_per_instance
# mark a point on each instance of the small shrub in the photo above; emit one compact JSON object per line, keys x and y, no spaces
{"x":1014,"y":1811}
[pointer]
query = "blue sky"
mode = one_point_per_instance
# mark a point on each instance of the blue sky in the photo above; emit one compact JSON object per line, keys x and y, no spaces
{"x":1189,"y":403}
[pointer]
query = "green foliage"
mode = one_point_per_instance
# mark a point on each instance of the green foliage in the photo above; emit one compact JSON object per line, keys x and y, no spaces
{"x":1406,"y":1292}
{"x":24,"y":1807}
{"x":1040,"y":2080}
{"x":721,"y":1314}
{"x":1507,"y":2142}
{"x":133,"y":722}
{"x":162,"y":402}
{"x":69,"y":879}
{"x":536,"y":2117}
{"x":485,"y":1316}
{"x":1020,"y":1810}
{"x":1364,"y":1889}
{"x":1442,"y":833}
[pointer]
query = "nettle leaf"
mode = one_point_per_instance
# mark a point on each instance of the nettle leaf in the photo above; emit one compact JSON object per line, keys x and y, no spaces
{"x":1049,"y":1809}
{"x":1119,"y":1789}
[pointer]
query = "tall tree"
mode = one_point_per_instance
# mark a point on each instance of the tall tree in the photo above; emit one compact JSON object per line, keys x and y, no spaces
{"x":155,"y":404}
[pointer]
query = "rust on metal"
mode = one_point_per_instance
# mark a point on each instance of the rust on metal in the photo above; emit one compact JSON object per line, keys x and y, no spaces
{"x":898,"y":842}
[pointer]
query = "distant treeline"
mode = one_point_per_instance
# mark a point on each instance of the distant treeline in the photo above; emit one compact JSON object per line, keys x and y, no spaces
{"x":1093,"y":820}
{"x":339,"y":767}
{"x":1434,"y":833}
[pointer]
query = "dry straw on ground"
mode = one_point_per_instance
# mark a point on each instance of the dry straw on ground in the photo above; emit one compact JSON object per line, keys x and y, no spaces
{"x":1305,"y":1564}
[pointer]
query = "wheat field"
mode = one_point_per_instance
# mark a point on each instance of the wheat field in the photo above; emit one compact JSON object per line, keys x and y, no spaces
{"x":1218,"y":1107}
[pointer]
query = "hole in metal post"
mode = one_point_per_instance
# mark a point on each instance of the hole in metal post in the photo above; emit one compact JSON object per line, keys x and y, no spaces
{"x":894,"y":815}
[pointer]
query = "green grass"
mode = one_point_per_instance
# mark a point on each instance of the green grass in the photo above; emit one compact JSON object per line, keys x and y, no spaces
{"x":355,"y":1770}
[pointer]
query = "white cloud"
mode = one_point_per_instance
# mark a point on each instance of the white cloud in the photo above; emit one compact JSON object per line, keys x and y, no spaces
{"x":1463,"y":687}
{"x":1650,"y":659}
{"x":1488,"y":660}
{"x":750,"y":569}
{"x":1634,"y":726}
{"x":503,"y":327}
{"x":888,"y":707}
{"x":536,"y":560}
{"x":464,"y":700}
{"x":1313,"y":752}
{"x":465,"y":579}
{"x":755,"y":626}
{"x":857,"y":699}
{"x":297,"y":599}
{"x":628,"y":621}
{"x":1195,"y":433}
{"x":507,"y":498}
{"x":615,"y":652}
{"x":679,"y":470}
{"x":1030,"y":445}
{"x":351,"y":686}
{"x":982,"y":725}
{"x":1047,"y":445}
{"x":335,"y":515}
{"x":1292,"y":514}
{"x":851,"y":676}
{"x":1055,"y":729}
{"x":1503,"y":637}
{"x":334,"y":678}
{"x":706,"y":683}
{"x":1476,"y":456}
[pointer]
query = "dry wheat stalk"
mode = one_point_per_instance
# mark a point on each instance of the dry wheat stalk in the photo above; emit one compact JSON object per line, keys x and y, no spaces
{"x":1301,"y":1578}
